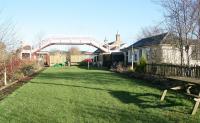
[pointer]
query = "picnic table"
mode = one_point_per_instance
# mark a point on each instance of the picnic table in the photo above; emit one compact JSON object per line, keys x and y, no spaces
{"x":187,"y":85}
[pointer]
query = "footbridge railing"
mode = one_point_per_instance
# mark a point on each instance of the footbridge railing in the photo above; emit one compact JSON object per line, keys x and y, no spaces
{"x":69,"y":41}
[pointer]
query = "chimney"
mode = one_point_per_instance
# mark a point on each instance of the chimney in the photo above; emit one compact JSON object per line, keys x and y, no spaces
{"x":118,"y":37}
{"x":118,"y":40}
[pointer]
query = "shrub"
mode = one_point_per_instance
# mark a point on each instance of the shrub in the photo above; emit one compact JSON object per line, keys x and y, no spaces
{"x":129,"y":68}
{"x":141,"y":67}
{"x":27,"y":69}
{"x":16,"y":69}
{"x":119,"y":67}
{"x":18,"y":75}
{"x":82,"y":63}
{"x":85,"y":62}
{"x":59,"y":65}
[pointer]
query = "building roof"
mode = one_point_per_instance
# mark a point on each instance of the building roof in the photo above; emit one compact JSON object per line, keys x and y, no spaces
{"x":164,"y":38}
{"x":97,"y":51}
{"x":26,"y":47}
{"x":153,"y":40}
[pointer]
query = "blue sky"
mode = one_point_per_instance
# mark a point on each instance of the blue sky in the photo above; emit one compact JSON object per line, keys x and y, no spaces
{"x":98,"y":18}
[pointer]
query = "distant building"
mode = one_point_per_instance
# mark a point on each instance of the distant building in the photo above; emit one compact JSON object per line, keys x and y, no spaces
{"x":114,"y":55}
{"x":26,"y":54}
{"x":160,"y":49}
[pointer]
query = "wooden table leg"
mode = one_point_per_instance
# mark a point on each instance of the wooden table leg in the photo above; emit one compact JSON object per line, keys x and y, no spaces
{"x":163,"y":95}
{"x":196,"y":105}
{"x":188,"y":89}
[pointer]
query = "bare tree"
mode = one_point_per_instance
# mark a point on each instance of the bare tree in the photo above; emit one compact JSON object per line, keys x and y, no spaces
{"x":180,"y":19}
{"x":8,"y":43}
{"x":39,"y":38}
{"x":74,"y":51}
{"x":3,"y":52}
{"x":196,"y":33}
{"x":150,"y":31}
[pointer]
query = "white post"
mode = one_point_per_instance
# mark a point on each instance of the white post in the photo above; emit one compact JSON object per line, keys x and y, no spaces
{"x":5,"y":77}
{"x":21,"y":55}
{"x":88,"y":65}
{"x":96,"y":59}
{"x":132,"y":57}
{"x":30,"y":54}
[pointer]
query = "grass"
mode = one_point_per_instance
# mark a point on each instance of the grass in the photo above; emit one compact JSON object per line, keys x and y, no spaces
{"x":78,"y":95}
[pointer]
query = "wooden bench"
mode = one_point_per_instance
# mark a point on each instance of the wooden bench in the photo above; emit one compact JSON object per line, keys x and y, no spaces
{"x":189,"y":83}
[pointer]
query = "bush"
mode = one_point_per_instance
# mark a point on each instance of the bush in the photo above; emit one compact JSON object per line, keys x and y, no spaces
{"x":141,"y":67}
{"x":59,"y":65}
{"x":129,"y":68}
{"x":85,"y":62}
{"x":119,"y":67}
{"x":27,"y":69}
{"x":16,"y":69}
{"x":82,"y":63}
{"x":18,"y":75}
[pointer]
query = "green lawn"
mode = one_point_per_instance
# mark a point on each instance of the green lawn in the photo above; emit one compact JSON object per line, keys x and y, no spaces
{"x":75,"y":95}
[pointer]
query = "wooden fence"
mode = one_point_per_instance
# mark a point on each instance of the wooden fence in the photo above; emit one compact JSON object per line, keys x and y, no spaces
{"x":173,"y":70}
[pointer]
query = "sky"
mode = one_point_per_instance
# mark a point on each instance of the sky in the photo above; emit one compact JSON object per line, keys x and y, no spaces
{"x":96,"y":18}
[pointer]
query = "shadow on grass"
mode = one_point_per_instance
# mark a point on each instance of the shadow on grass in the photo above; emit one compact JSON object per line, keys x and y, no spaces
{"x":115,"y":114}
{"x":93,"y":68}
{"x":92,"y":77}
{"x":96,"y":77}
{"x":143,"y":100}
{"x":103,"y":77}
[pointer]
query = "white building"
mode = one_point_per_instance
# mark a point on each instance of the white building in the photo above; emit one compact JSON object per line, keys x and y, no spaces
{"x":159,"y":49}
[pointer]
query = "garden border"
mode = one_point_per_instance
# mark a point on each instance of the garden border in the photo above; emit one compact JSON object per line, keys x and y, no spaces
{"x":11,"y":87}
